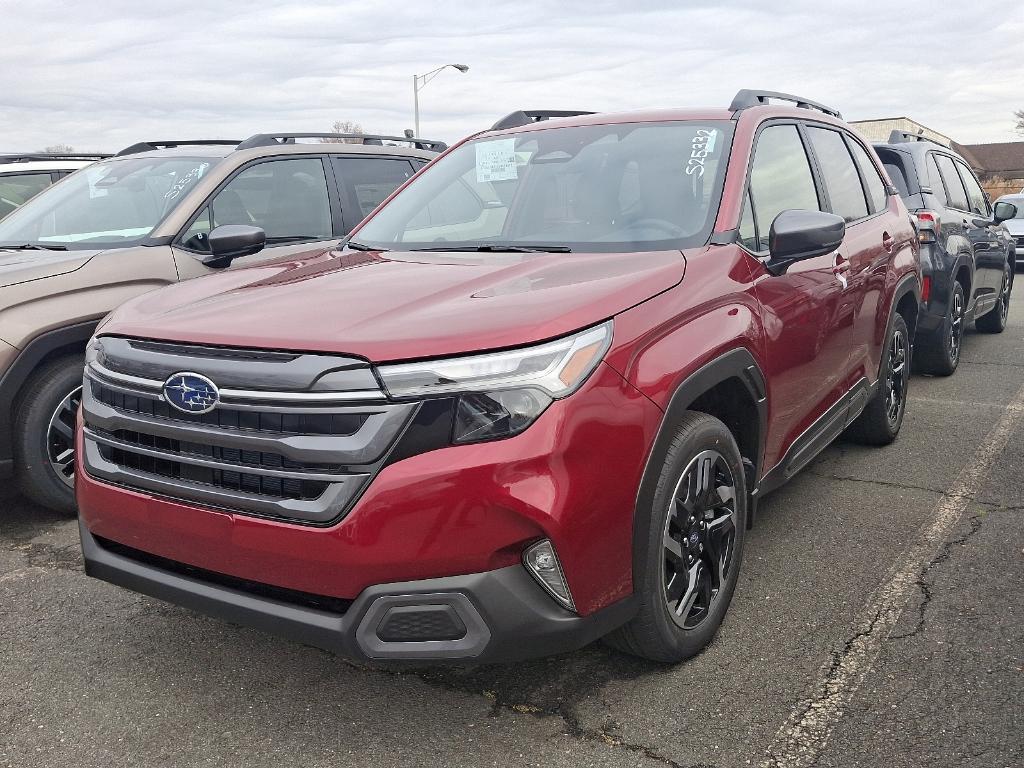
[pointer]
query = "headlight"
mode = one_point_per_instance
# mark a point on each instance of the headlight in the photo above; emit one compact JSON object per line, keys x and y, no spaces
{"x":502,"y":393}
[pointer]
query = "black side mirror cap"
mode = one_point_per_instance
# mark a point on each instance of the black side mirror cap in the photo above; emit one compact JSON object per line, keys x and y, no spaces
{"x":799,"y":234}
{"x":232,"y":241}
{"x":1003,"y":211}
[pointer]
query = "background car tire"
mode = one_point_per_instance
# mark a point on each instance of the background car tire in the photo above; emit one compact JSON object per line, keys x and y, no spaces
{"x":653,"y":633}
{"x":934,"y":353}
{"x":877,"y":424}
{"x":43,"y":392}
{"x":994,"y":321}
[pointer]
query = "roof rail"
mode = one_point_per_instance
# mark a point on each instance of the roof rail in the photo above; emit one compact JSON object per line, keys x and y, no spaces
{"x":149,"y":146}
{"x":368,"y":139}
{"x":527,"y":116}
{"x":745,"y":98}
{"x":18,"y":157}
{"x":903,"y":137}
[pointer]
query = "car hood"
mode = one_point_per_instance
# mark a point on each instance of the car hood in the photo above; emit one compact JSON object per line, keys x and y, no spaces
{"x":387,"y":306}
{"x":22,"y":266}
{"x":1015,"y":226}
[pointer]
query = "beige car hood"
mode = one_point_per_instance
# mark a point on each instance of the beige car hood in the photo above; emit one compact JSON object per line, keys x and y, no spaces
{"x":23,"y":266}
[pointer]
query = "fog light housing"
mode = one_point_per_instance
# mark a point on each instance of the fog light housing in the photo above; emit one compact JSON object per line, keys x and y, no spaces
{"x":542,"y":563}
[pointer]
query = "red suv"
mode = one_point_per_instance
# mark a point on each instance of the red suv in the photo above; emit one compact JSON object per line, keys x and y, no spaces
{"x":534,"y":400}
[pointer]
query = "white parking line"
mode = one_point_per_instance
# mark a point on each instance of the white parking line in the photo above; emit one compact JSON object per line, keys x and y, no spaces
{"x":801,"y":740}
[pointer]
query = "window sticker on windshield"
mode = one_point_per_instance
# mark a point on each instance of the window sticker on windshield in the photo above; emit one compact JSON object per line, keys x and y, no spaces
{"x":702,"y":148}
{"x":496,"y":160}
{"x":184,"y":181}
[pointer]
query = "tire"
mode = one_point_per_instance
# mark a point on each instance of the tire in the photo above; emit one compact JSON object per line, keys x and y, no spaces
{"x":994,"y":321}
{"x":704,"y":530}
{"x":880,"y":421}
{"x":51,"y":396}
{"x":939,"y":353}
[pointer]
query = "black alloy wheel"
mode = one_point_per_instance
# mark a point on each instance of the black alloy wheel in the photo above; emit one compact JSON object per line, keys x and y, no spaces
{"x":994,"y":321}
{"x":60,"y":437}
{"x":699,"y":538}
{"x":896,"y":376}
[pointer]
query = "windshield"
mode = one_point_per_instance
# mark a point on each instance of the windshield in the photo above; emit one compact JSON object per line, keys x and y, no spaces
{"x":619,"y":187}
{"x":110,"y":204}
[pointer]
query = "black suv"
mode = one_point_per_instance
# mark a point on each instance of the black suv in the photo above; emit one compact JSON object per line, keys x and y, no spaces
{"x":966,"y":264}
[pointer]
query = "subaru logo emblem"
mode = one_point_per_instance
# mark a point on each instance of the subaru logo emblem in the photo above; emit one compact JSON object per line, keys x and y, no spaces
{"x":191,"y":393}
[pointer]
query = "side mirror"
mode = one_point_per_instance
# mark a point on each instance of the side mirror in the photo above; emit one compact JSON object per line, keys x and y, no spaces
{"x":1003,"y":211}
{"x":232,"y":241}
{"x":798,"y":234}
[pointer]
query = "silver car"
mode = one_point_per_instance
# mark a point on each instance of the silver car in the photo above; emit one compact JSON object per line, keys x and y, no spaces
{"x":1016,"y":225}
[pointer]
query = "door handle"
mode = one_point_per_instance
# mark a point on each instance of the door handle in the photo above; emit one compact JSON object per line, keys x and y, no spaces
{"x":888,"y":242}
{"x":840,"y":270}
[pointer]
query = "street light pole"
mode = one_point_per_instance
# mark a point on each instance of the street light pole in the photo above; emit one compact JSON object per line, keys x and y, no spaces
{"x":418,"y":81}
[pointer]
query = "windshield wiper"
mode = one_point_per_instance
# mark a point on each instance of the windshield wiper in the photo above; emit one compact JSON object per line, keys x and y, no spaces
{"x":279,"y":239}
{"x":361,"y":246}
{"x":488,"y":248}
{"x":32,"y":247}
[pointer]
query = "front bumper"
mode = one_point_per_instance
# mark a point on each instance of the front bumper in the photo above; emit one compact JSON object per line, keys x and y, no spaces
{"x":495,"y":616}
{"x":572,"y":478}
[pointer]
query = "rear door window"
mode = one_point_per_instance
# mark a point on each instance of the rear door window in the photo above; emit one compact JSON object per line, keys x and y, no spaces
{"x":974,"y":194}
{"x":955,"y":192}
{"x":842,"y":181}
{"x":780,"y":179}
{"x":366,"y":182}
{"x":872,"y":180}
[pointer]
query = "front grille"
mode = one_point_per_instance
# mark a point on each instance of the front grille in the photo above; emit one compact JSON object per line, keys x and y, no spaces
{"x":1020,"y":241}
{"x":265,"y":421}
{"x":233,"y":480}
{"x":285,"y":450}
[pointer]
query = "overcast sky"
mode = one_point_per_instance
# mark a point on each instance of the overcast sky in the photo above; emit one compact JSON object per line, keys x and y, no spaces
{"x":104,"y":74}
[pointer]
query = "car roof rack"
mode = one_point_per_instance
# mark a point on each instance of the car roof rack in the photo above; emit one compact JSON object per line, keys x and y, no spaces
{"x":528,"y":116}
{"x":905,"y":137}
{"x":149,"y":146}
{"x":25,"y":157}
{"x":745,"y":98}
{"x":367,"y":139}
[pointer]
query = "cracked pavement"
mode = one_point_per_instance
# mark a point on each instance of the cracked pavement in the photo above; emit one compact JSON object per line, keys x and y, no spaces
{"x":97,"y":676}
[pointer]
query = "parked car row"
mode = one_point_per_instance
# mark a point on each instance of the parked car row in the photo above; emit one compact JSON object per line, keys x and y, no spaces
{"x":156,"y":213}
{"x":967,"y":263}
{"x":532,"y":400}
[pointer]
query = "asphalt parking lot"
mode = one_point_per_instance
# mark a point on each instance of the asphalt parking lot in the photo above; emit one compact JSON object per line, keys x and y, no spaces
{"x":878,"y":622}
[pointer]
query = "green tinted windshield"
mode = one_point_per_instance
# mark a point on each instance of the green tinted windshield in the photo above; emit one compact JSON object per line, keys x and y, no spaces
{"x":109,"y":204}
{"x":617,"y":187}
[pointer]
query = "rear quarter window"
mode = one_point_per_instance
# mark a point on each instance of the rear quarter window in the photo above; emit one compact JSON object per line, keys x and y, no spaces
{"x":872,"y":181}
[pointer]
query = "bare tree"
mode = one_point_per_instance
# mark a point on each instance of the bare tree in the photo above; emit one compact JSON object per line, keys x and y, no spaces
{"x":59,"y":149}
{"x":344,"y":126}
{"x":1019,"y":114}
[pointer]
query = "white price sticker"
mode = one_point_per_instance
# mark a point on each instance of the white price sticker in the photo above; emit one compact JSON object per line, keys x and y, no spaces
{"x":496,"y":160}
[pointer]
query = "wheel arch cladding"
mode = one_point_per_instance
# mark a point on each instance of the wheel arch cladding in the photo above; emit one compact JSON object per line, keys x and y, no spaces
{"x":52,"y":344}
{"x":731,"y":388}
{"x":908,"y":306}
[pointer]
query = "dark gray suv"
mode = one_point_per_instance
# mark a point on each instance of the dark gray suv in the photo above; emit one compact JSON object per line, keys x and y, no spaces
{"x":967,"y":265}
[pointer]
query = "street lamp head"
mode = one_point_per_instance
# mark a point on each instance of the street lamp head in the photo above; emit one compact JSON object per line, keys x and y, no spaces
{"x":461,"y":67}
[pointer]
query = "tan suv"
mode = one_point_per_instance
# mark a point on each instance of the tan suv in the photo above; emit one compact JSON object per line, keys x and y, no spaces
{"x":157,"y":213}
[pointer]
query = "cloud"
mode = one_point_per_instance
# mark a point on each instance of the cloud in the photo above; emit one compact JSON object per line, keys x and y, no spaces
{"x":106,"y":74}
